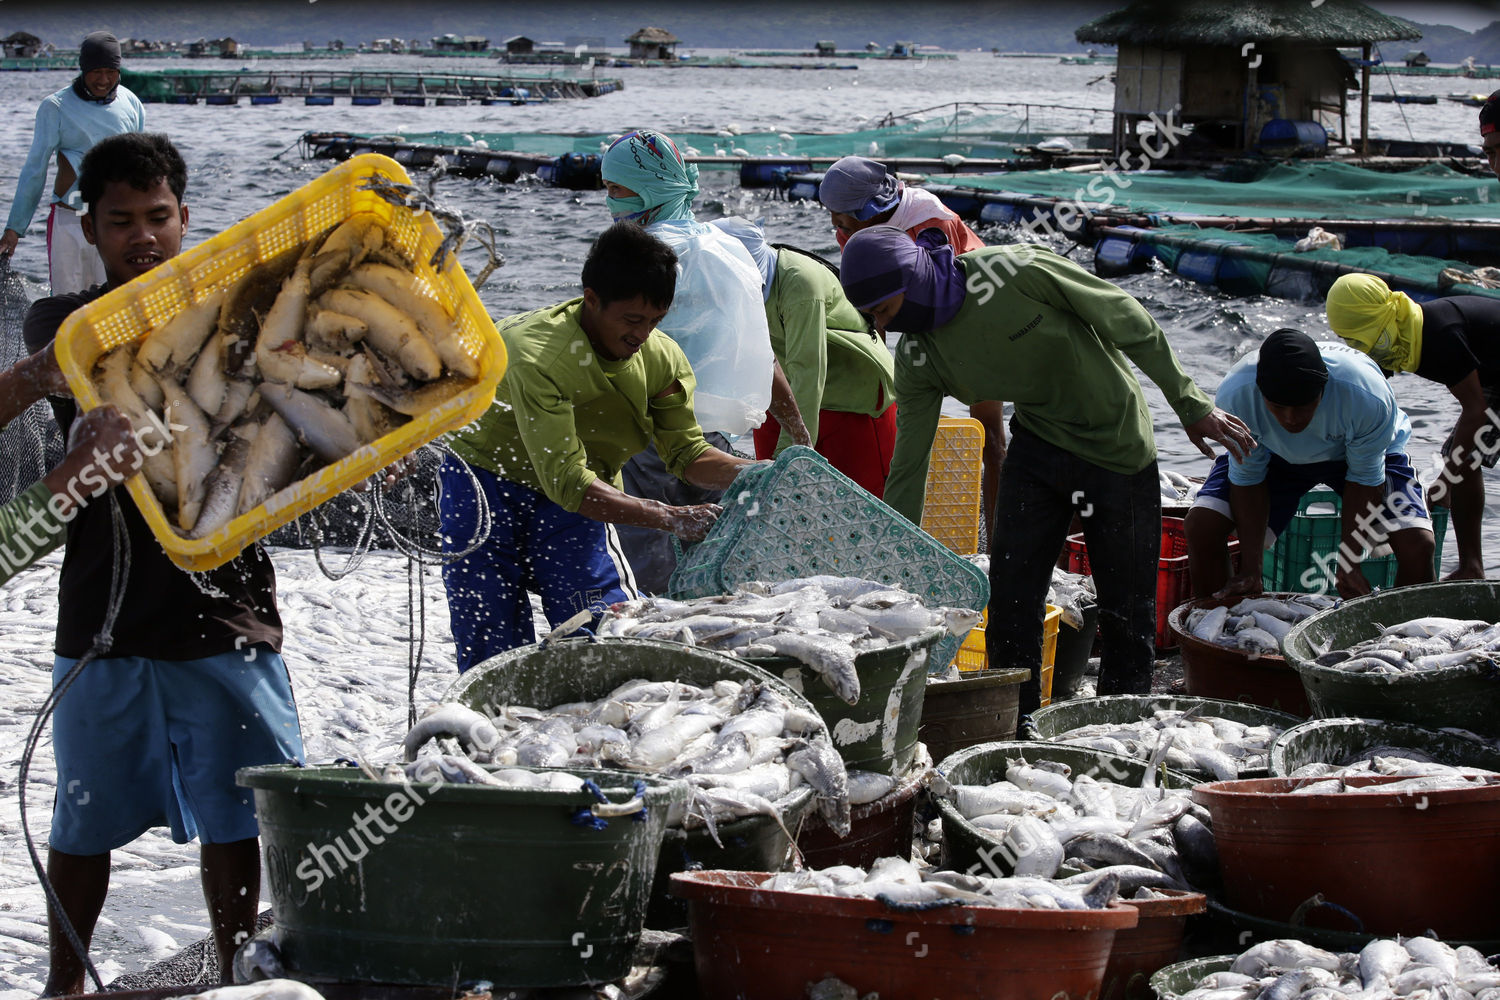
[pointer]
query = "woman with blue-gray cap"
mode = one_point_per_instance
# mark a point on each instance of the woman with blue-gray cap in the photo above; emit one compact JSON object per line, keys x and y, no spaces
{"x":717,"y":318}
{"x":860,"y":193}
{"x":68,"y":123}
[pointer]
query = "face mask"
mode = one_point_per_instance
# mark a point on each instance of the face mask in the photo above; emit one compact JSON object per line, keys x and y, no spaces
{"x":626,"y":209}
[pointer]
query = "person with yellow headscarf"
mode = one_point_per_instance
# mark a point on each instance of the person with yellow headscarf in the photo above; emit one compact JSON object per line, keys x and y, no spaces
{"x":1454,"y":341}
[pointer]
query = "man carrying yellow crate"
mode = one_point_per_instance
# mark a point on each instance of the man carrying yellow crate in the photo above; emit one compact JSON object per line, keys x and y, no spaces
{"x":590,"y":383}
{"x":189,"y":685}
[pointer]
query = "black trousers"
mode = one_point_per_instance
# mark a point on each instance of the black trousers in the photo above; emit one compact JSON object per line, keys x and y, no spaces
{"x":1041,"y":486}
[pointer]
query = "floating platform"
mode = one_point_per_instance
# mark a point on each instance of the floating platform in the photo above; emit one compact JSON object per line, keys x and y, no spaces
{"x":851,"y":54}
{"x":30,"y":63}
{"x":1477,"y":73}
{"x":1404,"y":98}
{"x":171,"y":85}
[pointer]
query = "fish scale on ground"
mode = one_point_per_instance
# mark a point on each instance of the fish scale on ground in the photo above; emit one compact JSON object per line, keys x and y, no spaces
{"x":1420,"y":968}
{"x":1418,"y":645}
{"x":743,"y":747}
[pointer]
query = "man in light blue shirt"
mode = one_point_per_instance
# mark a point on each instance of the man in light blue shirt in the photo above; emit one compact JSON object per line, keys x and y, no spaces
{"x":1320,"y":413}
{"x":68,"y":123}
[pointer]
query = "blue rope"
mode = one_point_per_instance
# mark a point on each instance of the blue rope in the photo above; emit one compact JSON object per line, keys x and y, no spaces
{"x":640,"y":793}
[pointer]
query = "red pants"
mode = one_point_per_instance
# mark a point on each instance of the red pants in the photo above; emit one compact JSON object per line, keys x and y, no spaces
{"x":858,"y":446}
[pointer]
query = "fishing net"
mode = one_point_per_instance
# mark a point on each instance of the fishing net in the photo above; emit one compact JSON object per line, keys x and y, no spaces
{"x":31,"y":444}
{"x":969,"y":131}
{"x":1303,"y":190}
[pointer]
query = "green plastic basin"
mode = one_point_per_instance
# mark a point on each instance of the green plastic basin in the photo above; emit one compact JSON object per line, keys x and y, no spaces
{"x":966,"y":847}
{"x":582,"y":670}
{"x":1051,"y":722}
{"x":1465,"y":697}
{"x":879,"y":733}
{"x":1176,"y":980}
{"x":1341,"y":741}
{"x":436,"y":883}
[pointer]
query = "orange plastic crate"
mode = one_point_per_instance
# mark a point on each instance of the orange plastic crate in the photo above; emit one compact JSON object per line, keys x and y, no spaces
{"x":133,"y":310}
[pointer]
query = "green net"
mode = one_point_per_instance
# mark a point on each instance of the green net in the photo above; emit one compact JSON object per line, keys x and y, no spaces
{"x":1411,"y":266}
{"x":1305,"y":190}
{"x":973,"y":135}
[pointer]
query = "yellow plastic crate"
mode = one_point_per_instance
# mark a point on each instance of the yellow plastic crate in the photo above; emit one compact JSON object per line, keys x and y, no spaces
{"x":128,"y":313}
{"x":972,"y":657}
{"x":955,"y":472}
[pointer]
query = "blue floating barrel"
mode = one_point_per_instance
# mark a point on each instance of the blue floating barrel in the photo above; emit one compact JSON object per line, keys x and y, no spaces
{"x":1199,"y":265}
{"x":1293,"y":138}
{"x":319,"y":100}
{"x":452,"y":102}
{"x":222,"y":99}
{"x":754,"y":175}
{"x":181,"y":99}
{"x":1116,"y":255}
{"x":409,"y":101}
{"x":264,"y":99}
{"x":578,"y":171}
{"x":364,"y":100}
{"x":999,"y":211}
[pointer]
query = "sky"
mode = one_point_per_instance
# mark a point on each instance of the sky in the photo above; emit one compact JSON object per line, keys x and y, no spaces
{"x":1469,"y":16}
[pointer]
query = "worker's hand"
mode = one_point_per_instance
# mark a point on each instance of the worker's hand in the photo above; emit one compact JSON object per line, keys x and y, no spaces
{"x":1350,"y":580}
{"x":1225,"y":428}
{"x":1247,"y":584}
{"x":103,"y":440}
{"x":388,"y":476}
{"x":8,"y":242}
{"x":43,"y":373}
{"x":692,"y":524}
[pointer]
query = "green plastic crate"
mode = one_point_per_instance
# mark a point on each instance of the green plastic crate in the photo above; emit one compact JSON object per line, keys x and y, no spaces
{"x":802,"y":517}
{"x":1315,"y":533}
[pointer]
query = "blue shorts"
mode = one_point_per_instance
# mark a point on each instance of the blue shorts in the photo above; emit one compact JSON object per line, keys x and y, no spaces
{"x":1404,"y":507}
{"x":572,"y":562}
{"x":143,"y":743}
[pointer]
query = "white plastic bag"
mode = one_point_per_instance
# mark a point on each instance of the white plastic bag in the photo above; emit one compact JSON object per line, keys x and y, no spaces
{"x":718,"y":318}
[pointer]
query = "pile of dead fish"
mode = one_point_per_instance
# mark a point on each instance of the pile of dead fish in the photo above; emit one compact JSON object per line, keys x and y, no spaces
{"x":904,"y":884}
{"x":1419,"y":645}
{"x":1177,"y":488}
{"x":1184,"y":741}
{"x":743,"y":747}
{"x":327,"y":347}
{"x":1435,"y":781}
{"x":1072,"y":592}
{"x":1387,"y":761}
{"x":1048,"y":819}
{"x":1256,"y":624}
{"x":1418,"y":968}
{"x":822,"y":622}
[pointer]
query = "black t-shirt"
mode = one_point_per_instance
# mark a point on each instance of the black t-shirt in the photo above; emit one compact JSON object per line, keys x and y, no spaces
{"x":1461,"y":334}
{"x":166,"y":613}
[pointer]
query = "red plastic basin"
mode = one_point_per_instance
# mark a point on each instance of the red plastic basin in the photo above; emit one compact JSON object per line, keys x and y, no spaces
{"x":754,"y":944}
{"x":879,"y":829}
{"x":1214,"y":671}
{"x":1151,"y":945}
{"x":1400,"y":862}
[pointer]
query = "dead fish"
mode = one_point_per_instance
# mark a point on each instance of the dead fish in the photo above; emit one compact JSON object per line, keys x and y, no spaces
{"x":193,"y":451}
{"x":410,"y":294}
{"x":270,"y":464}
{"x":823,"y":769}
{"x":168,"y":348}
{"x":222,"y":494}
{"x":830,"y":659}
{"x":390,"y":330}
{"x":322,"y":428}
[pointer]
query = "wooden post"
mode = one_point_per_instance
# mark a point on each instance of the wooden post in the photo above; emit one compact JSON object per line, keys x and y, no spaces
{"x":1364,"y":102}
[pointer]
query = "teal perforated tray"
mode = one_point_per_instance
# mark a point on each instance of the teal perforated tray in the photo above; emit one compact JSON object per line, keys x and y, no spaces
{"x":802,"y":517}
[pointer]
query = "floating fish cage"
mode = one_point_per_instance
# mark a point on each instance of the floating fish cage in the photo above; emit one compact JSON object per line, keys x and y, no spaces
{"x":1462,"y":696}
{"x":449,"y":882}
{"x":398,"y":87}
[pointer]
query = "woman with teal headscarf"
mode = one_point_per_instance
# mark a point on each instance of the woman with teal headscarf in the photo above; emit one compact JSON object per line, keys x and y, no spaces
{"x":717,"y":318}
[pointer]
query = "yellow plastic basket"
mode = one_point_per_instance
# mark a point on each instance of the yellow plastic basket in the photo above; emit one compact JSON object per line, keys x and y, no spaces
{"x":951,"y":510}
{"x":972,"y":656}
{"x":128,"y":313}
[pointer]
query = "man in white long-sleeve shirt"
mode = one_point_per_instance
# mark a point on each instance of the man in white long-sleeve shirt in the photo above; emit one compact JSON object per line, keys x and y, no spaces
{"x":68,"y":123}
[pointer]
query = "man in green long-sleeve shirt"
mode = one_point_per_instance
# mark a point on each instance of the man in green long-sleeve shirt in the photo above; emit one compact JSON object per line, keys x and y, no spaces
{"x":588,"y":385}
{"x":1021,"y":323}
{"x":104,"y":452}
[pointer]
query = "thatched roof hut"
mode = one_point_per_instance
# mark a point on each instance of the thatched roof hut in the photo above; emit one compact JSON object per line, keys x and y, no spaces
{"x":653,"y":43}
{"x":21,"y":44}
{"x":1240,"y":64}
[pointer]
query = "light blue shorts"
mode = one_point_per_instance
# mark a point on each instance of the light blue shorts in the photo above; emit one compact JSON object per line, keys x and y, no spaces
{"x":143,"y":743}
